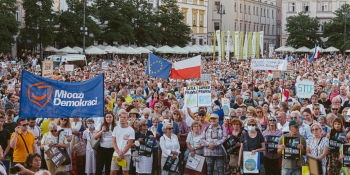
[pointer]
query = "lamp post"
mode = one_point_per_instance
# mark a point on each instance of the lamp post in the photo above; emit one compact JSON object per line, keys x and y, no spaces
{"x":84,"y":28}
{"x":38,"y":28}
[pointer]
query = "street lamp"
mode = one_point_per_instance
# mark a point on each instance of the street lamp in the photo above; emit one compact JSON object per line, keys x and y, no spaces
{"x":38,"y":28}
{"x":84,"y":28}
{"x":345,"y":14}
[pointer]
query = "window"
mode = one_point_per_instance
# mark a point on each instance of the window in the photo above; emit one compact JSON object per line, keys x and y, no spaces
{"x":291,"y":7}
{"x":195,"y":1}
{"x":216,"y":25}
{"x":217,"y":5}
{"x":249,"y":10}
{"x":235,"y":25}
{"x":17,"y":13}
{"x":194,"y":41}
{"x":254,"y":10}
{"x":240,"y":26}
{"x":324,"y":6}
{"x":235,"y":7}
{"x":257,"y":11}
{"x":272,"y":14}
{"x":194,"y":18}
{"x":240,"y":8}
{"x":201,"y":18}
{"x":200,"y":41}
{"x":245,"y":9}
{"x":306,"y":7}
{"x":268,"y":13}
{"x":264,"y":12}
{"x":184,"y":12}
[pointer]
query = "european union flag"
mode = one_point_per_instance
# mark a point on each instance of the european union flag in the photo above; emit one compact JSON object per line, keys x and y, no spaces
{"x":158,"y":67}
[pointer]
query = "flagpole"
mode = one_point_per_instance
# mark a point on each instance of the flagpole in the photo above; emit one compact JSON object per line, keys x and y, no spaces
{"x":149,"y":64}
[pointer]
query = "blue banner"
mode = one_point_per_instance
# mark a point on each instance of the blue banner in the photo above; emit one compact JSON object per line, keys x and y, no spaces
{"x":47,"y":98}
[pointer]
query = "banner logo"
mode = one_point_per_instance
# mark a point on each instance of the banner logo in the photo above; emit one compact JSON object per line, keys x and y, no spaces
{"x":39,"y":100}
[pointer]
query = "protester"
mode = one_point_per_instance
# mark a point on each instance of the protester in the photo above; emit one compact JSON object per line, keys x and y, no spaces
{"x":105,"y":150}
{"x":122,"y":139}
{"x":145,"y":138}
{"x":236,"y":134}
{"x":170,"y":146}
{"x":333,"y":165}
{"x":49,"y":139}
{"x":194,"y":145}
{"x":90,"y":158}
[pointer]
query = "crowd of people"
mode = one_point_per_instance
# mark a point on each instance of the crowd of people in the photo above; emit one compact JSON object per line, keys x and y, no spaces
{"x":147,"y":129}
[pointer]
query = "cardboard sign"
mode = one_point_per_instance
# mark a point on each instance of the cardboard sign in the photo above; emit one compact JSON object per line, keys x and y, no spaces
{"x":204,"y":96}
{"x":105,"y":65}
{"x":195,"y":163}
{"x":291,"y":151}
{"x":251,"y":163}
{"x":269,"y":64}
{"x":205,"y":77}
{"x":69,"y":67}
{"x":47,"y":66}
{"x":305,"y":88}
{"x":226,"y":106}
{"x":191,"y":99}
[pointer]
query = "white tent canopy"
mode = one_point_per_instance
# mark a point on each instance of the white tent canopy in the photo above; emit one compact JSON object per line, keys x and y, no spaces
{"x":331,"y":49}
{"x":179,"y":50}
{"x":92,"y":50}
{"x":67,"y":50}
{"x":302,"y":49}
{"x":79,"y":49}
{"x":313,"y":50}
{"x":165,"y":49}
{"x":285,"y":49}
{"x":141,"y":50}
{"x":150,"y":47}
{"x":112,"y":49}
{"x":50,"y":49}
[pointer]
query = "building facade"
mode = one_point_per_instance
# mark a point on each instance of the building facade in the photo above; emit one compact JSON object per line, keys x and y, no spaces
{"x":323,"y":10}
{"x":244,"y":15}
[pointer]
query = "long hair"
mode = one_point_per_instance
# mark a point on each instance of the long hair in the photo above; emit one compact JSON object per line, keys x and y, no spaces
{"x":68,"y":125}
{"x":105,"y":122}
{"x":333,"y":131}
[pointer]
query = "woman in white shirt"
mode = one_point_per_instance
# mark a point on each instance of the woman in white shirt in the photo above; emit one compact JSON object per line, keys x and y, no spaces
{"x":64,"y":129}
{"x":90,"y":165}
{"x":169,"y":144}
{"x":105,"y":151}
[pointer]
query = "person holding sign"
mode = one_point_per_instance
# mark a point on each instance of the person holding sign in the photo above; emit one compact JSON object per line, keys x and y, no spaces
{"x":318,"y":146}
{"x":232,"y":145}
{"x":292,"y":163}
{"x":252,"y":141}
{"x":212,"y":138}
{"x":271,"y":158}
{"x":333,"y":165}
{"x":170,"y":146}
{"x":50,"y":138}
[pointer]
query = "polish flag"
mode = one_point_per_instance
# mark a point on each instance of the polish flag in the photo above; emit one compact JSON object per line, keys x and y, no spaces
{"x":186,"y":69}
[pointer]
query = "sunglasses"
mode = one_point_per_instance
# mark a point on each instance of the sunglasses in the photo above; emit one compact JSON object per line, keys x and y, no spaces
{"x":272,"y":120}
{"x":24,"y":125}
{"x":259,"y":111}
{"x":293,"y":118}
{"x":251,"y":124}
{"x":169,"y":128}
{"x":334,"y":108}
{"x":157,"y":107}
{"x":53,"y":130}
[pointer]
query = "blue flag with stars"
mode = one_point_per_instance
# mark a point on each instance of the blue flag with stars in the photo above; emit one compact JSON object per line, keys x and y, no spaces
{"x":158,"y":67}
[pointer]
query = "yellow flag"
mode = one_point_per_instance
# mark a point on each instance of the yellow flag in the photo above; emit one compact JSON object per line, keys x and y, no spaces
{"x":250,"y":35}
{"x":214,"y":46}
{"x":257,"y":45}
{"x":222,"y":45}
{"x":241,"y":43}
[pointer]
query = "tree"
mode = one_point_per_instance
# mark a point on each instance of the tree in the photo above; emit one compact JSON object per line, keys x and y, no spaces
{"x":8,"y":23}
{"x":302,"y":31}
{"x":334,"y":30}
{"x":173,"y":30}
{"x":39,"y":23}
{"x":70,"y":22}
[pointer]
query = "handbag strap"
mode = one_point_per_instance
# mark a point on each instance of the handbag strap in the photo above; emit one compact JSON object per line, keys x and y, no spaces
{"x":25,"y":144}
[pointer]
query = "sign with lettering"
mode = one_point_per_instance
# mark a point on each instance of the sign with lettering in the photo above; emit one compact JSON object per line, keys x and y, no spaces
{"x":346,"y":152}
{"x":291,"y":150}
{"x":191,"y":99}
{"x":272,"y":144}
{"x":305,"y":88}
{"x":336,"y":141}
{"x":226,"y":106}
{"x":269,"y":64}
{"x":204,"y":96}
{"x":47,"y":68}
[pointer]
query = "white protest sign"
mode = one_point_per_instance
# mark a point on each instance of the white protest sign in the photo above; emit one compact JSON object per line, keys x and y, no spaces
{"x":205,"y":77}
{"x":251,"y":162}
{"x":305,"y":88}
{"x":105,"y":65}
{"x":226,"y":106}
{"x":47,"y":68}
{"x":204,"y":96}
{"x":191,"y":99}
{"x":269,"y":64}
{"x":69,"y":67}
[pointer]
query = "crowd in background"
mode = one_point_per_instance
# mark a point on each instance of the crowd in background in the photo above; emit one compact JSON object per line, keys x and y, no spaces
{"x":142,"y":110}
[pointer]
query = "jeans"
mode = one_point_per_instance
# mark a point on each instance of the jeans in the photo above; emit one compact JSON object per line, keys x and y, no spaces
{"x":218,"y":162}
{"x":287,"y":171}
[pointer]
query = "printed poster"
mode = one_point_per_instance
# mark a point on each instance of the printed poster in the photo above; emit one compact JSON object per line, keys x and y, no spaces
{"x":191,"y":99}
{"x":204,"y":96}
{"x":251,"y":163}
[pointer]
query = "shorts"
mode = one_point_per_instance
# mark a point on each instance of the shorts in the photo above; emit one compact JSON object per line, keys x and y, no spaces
{"x":115,"y":166}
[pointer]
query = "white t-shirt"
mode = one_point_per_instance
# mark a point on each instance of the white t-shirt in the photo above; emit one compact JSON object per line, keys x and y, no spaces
{"x":123,"y":135}
{"x":106,"y":137}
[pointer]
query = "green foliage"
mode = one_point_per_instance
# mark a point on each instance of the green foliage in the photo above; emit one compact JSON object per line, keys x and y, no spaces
{"x":173,"y":30}
{"x":334,"y":30}
{"x":70,"y":22}
{"x":8,"y":23}
{"x":302,"y":31}
{"x":39,"y":23}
